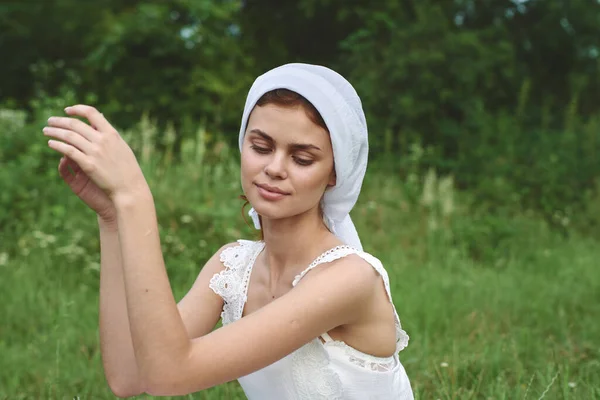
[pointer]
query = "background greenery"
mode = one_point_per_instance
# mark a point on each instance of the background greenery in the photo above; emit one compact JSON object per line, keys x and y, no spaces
{"x":482,"y":197}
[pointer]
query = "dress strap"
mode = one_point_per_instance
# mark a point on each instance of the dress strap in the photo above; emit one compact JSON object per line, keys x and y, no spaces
{"x":326,"y":337}
{"x":328,"y":256}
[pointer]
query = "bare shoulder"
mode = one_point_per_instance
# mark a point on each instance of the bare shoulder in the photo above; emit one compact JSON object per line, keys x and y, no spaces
{"x":351,"y":274}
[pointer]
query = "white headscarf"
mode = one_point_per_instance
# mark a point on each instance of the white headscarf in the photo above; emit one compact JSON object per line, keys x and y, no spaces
{"x":341,"y":109}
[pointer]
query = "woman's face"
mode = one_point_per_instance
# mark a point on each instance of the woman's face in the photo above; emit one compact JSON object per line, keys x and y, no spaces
{"x":287,"y":161}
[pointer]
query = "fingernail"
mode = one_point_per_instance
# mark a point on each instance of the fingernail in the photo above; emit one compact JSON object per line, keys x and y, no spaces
{"x":67,"y":109}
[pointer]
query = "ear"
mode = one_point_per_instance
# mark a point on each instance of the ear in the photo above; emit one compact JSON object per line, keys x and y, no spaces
{"x":332,"y":179}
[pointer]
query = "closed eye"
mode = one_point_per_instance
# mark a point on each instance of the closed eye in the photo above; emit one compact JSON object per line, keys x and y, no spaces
{"x":266,"y":150}
{"x":302,"y":162}
{"x":260,"y":150}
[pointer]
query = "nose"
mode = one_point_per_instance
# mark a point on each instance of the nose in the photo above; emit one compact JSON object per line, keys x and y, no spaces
{"x":275,"y":168}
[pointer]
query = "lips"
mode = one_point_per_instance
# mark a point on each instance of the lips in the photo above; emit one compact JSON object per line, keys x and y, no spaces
{"x":271,"y":189}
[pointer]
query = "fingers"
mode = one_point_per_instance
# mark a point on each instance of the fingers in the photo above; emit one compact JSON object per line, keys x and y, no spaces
{"x":63,"y":170}
{"x":72,"y":164}
{"x":68,"y":169}
{"x":91,"y":114}
{"x":65,"y":163}
{"x":68,"y":150}
{"x":69,"y":137}
{"x":74,"y":125}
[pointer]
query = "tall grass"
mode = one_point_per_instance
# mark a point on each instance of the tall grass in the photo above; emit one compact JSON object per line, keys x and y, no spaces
{"x":497,"y":306}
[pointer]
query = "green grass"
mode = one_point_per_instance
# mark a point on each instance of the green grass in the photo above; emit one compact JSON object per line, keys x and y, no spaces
{"x":497,"y":307}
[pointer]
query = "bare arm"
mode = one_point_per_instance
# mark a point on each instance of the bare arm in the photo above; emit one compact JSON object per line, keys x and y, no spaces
{"x":170,"y":363}
{"x":118,"y":358}
{"x":96,"y":163}
{"x":200,"y":311}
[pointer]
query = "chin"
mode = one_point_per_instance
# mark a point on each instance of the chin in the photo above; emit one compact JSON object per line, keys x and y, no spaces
{"x":277,"y":211}
{"x":268,"y":210}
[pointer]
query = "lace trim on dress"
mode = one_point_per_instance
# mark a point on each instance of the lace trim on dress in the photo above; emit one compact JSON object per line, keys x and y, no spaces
{"x":313,"y":378}
{"x":246,"y":278}
{"x":232,"y":283}
{"x":364,"y":360}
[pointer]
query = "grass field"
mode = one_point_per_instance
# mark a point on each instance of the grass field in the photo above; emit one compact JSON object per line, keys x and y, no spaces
{"x":496,"y":306}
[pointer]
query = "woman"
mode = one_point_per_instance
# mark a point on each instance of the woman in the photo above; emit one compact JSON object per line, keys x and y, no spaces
{"x":336,"y":335}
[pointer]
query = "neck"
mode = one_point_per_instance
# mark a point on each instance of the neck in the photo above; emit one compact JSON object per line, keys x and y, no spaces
{"x":291,"y":244}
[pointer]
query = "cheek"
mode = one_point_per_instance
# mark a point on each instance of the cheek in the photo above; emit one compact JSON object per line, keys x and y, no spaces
{"x":249,"y":163}
{"x":244,"y":163}
{"x":312,"y":182}
{"x":247,"y":172}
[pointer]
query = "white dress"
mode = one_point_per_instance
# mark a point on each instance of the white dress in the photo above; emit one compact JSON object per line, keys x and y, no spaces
{"x":317,"y":371}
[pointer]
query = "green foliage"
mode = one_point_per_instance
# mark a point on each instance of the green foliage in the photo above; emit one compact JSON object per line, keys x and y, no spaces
{"x":27,"y":164}
{"x":178,"y":60}
{"x":467,"y":81}
{"x":482,"y":196}
{"x":425,"y":79}
{"x":194,"y":45}
{"x":497,"y":304}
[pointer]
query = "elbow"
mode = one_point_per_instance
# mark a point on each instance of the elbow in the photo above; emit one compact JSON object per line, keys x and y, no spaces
{"x":168,"y":377}
{"x":155,"y":389}
{"x":123,"y":388}
{"x":167,"y":384}
{"x":161,"y":387}
{"x":123,"y":391}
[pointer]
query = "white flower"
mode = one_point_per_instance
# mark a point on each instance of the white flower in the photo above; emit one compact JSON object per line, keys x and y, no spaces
{"x":444,"y":365}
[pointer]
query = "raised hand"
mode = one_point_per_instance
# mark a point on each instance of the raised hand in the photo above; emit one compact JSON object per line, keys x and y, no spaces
{"x":99,"y":152}
{"x":86,"y":190}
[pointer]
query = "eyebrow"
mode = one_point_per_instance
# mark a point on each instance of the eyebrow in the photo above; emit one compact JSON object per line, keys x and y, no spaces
{"x":295,"y":146}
